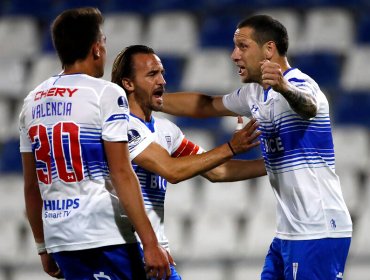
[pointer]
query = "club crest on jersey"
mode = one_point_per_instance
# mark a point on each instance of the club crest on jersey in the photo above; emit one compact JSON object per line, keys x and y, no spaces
{"x":122,"y":102}
{"x":134,"y":137}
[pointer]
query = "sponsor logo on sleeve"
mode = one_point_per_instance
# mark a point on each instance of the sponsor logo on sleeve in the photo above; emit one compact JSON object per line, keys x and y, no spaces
{"x":122,"y":102}
{"x":134,"y":138}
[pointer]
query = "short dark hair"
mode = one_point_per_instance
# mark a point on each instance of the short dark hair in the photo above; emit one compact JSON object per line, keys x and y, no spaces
{"x":74,"y":32}
{"x":123,"y":65}
{"x":267,"y":29}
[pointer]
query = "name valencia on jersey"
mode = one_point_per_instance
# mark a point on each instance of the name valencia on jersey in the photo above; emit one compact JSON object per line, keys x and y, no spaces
{"x":53,"y":108}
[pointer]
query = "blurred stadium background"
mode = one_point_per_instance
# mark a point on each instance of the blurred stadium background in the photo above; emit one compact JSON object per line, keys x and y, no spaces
{"x":217,"y":231}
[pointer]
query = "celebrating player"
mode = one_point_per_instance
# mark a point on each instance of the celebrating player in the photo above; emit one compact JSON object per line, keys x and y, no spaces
{"x":74,"y":126}
{"x":314,"y":227}
{"x":171,"y":157}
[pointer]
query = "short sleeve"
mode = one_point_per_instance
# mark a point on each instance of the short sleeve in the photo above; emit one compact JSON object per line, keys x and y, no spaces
{"x":115,"y":112}
{"x":237,"y":102}
{"x":25,"y":142}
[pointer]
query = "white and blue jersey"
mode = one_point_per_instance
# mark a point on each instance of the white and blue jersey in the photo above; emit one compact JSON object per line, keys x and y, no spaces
{"x":299,"y":158}
{"x":153,"y":186}
{"x":63,"y":123}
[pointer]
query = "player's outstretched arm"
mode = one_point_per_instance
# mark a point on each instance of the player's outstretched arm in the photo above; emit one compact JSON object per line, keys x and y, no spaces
{"x":194,"y":104}
{"x":33,"y":204}
{"x":236,"y":170}
{"x":157,"y":160}
{"x":129,"y":193}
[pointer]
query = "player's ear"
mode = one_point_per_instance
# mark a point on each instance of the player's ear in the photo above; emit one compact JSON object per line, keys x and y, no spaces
{"x":269,"y":49}
{"x":128,"y":84}
{"x":95,"y":50}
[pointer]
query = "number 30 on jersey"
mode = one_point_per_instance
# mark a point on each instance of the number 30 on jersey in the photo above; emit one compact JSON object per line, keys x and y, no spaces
{"x":60,"y":150}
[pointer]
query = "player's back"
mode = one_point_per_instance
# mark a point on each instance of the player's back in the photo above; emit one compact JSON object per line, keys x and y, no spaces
{"x":64,"y":119}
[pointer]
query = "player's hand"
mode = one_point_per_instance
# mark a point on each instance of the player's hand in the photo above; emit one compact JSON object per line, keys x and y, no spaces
{"x":245,"y":138}
{"x":50,"y":266}
{"x":272,"y":75}
{"x":157,"y":262}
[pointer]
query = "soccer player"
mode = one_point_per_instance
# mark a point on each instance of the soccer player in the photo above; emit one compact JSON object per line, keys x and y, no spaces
{"x":171,"y":157}
{"x":314,"y":227}
{"x":74,"y":126}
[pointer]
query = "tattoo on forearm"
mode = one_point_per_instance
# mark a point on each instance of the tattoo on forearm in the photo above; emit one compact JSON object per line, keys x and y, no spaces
{"x":301,"y":102}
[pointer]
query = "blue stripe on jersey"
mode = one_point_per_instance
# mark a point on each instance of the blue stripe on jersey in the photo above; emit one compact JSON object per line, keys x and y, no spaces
{"x":296,"y":80}
{"x":265,"y":93}
{"x":92,"y":152}
{"x":117,"y":117}
{"x":149,"y":124}
{"x":153,"y":187}
{"x":283,"y":152}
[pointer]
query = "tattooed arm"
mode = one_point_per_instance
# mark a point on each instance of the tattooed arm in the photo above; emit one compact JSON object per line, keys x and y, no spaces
{"x":301,"y":101}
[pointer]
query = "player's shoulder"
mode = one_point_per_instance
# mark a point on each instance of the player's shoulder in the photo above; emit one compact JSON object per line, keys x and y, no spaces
{"x":163,"y":122}
{"x":101,"y":82}
{"x":297,"y":77}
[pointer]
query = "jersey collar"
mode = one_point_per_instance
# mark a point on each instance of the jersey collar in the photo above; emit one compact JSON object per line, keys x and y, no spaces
{"x":149,"y":124}
{"x":266,"y":91}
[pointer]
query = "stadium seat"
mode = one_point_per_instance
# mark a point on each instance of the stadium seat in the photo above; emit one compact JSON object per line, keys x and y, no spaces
{"x":118,"y":6}
{"x":262,"y":223}
{"x":324,"y":68}
{"x":344,"y":4}
{"x":10,"y":158}
{"x":327,"y":30}
{"x":355,"y":70}
{"x":362,"y":29}
{"x":122,"y":30}
{"x":35,"y":8}
{"x":361,"y":241}
{"x":173,"y":67}
{"x":183,"y":202}
{"x":43,"y":67}
{"x":210,"y":71}
{"x":172,"y":33}
{"x":34,"y":274}
{"x":46,"y":40}
{"x":176,"y":5}
{"x":230,"y":197}
{"x":5,"y":117}
{"x":213,"y":271}
{"x":13,"y":74}
{"x":293,"y":22}
{"x":182,"y":198}
{"x":352,"y":108}
{"x":19,"y":37}
{"x":356,"y":269}
{"x":12,"y":216}
{"x":199,"y":123}
{"x":217,"y":31}
{"x":352,"y":164}
{"x":248,"y":270}
{"x":179,"y":232}
{"x":215,"y":236}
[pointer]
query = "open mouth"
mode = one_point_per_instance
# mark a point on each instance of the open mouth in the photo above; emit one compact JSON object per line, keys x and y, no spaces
{"x":158,"y":92}
{"x":241,"y":70}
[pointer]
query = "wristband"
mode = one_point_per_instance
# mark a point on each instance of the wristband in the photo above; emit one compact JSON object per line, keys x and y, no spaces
{"x":228,"y":143}
{"x":41,"y":248}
